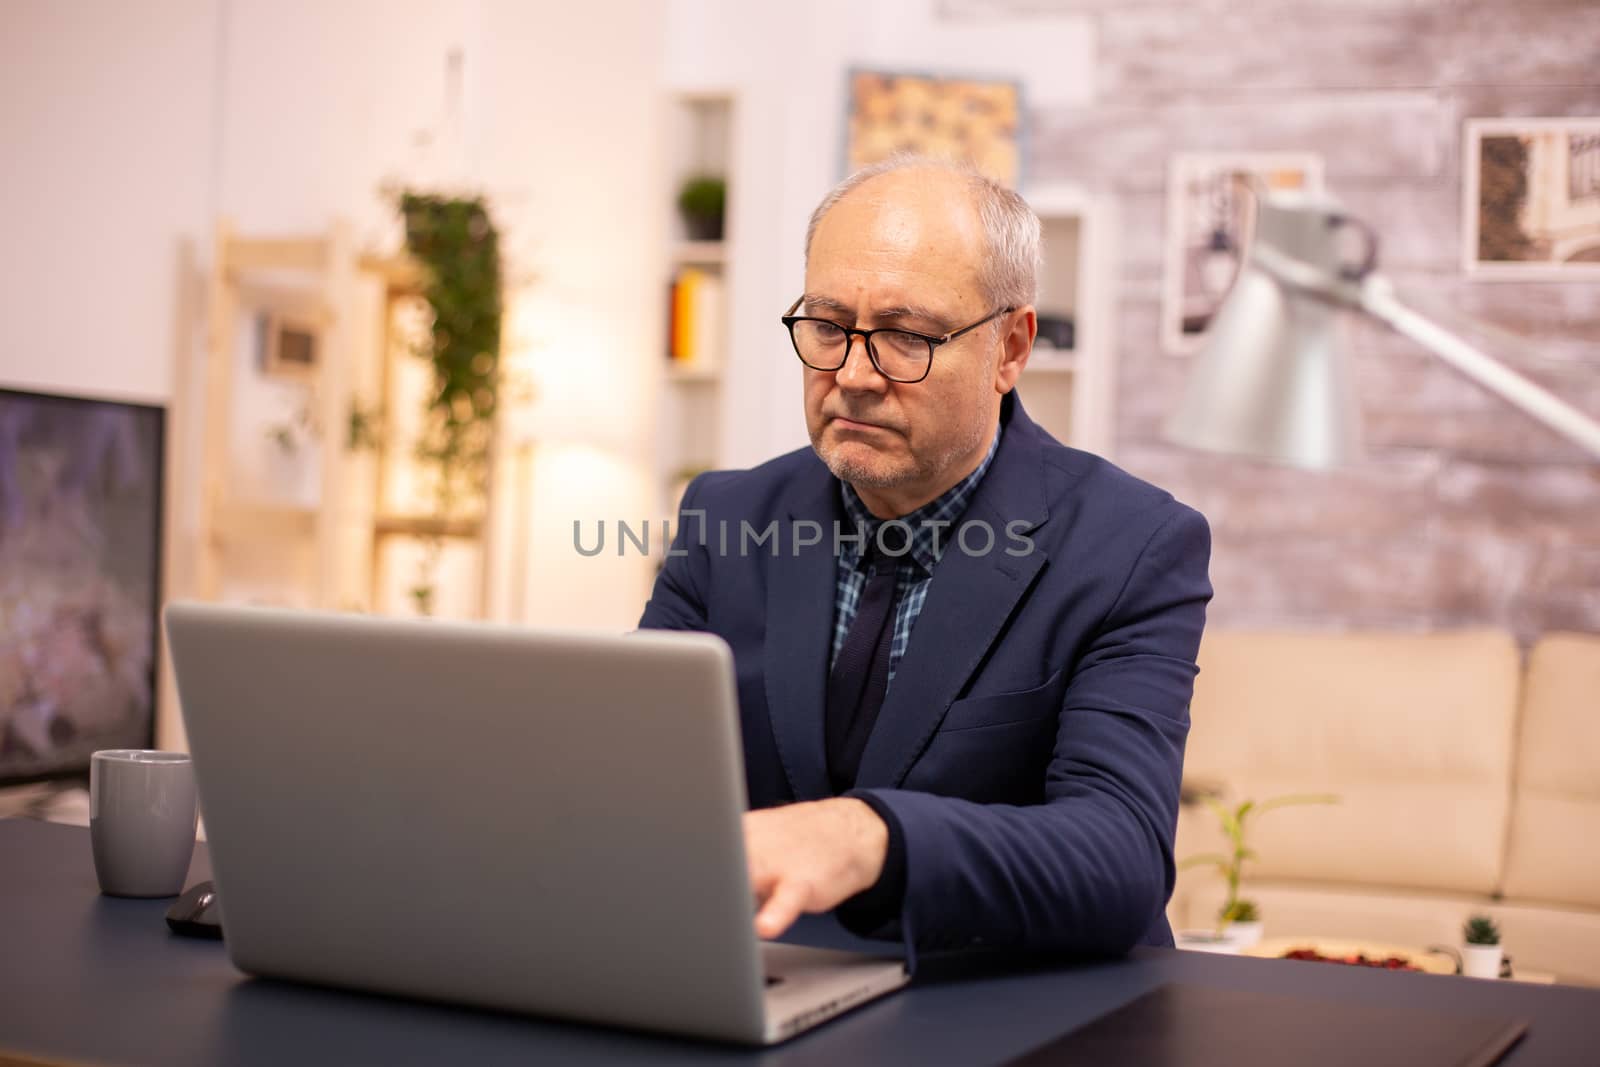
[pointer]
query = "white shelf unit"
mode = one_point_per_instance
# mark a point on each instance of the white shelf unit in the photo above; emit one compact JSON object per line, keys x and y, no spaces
{"x":699,"y":142}
{"x":1072,"y":392}
{"x":694,"y":375}
{"x":700,"y":253}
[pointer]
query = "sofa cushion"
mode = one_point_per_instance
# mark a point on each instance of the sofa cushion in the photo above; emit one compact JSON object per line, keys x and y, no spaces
{"x":1555,"y":815}
{"x":1412,"y":731}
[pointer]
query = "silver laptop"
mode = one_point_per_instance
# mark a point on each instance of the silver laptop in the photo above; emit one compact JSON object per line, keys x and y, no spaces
{"x":533,"y":821}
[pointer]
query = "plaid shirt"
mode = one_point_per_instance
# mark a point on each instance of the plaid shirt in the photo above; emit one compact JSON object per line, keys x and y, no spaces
{"x":914,"y":571}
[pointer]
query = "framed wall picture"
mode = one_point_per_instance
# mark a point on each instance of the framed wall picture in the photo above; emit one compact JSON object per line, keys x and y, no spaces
{"x":953,"y":117}
{"x":1210,"y":215}
{"x":289,"y":347}
{"x":1531,"y":198}
{"x":289,"y":327}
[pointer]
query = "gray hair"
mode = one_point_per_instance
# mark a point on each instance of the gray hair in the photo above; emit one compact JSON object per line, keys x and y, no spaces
{"x":1009,"y":274}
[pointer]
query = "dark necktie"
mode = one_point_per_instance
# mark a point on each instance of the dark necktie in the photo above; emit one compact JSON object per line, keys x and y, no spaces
{"x":860,"y":674}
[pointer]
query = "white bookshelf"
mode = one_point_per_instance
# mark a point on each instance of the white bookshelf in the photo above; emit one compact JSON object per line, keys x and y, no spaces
{"x":1071,"y":392}
{"x":699,"y":128}
{"x":692,"y":375}
{"x":1044,"y":364}
{"x":700,"y":253}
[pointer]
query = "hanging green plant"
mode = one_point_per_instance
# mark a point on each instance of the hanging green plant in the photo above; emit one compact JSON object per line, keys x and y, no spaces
{"x":458,"y":247}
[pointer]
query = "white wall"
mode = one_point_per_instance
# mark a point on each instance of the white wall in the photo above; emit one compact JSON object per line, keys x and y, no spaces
{"x":105,"y":161}
{"x":320,"y":102}
{"x":572,"y":93}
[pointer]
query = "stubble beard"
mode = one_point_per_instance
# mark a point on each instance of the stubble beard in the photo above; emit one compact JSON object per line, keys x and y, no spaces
{"x":882,"y":472}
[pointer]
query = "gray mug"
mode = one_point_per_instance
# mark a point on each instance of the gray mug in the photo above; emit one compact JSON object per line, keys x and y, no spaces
{"x":143,"y":810}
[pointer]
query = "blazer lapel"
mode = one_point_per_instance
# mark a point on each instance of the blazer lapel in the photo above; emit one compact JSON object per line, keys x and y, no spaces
{"x":969,"y":601}
{"x":800,"y":594}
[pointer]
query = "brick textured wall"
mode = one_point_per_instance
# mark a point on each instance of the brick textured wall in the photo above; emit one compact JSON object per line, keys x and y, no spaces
{"x":1465,"y":512}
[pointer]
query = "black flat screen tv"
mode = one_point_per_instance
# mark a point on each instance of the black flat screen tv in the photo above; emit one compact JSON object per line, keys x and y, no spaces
{"x":80,"y":580}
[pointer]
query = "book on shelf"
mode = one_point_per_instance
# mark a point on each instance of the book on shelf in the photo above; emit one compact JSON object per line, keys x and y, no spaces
{"x":695,"y":318}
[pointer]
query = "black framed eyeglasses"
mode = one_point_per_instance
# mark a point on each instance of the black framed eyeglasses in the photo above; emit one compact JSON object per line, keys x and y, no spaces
{"x":903,"y":356}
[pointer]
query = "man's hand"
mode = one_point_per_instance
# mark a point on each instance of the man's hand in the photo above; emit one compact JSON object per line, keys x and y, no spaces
{"x":811,"y":857}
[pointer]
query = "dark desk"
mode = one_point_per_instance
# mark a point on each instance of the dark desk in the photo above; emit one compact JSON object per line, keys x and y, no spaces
{"x":85,"y":978}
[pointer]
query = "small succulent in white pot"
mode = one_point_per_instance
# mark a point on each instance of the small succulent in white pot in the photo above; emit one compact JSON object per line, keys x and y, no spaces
{"x":1481,"y":953}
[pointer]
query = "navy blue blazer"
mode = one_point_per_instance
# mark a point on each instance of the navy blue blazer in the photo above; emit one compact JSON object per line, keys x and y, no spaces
{"x":1031,"y":745}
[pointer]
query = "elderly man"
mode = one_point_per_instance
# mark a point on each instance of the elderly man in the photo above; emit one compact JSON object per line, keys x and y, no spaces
{"x":964,"y":651}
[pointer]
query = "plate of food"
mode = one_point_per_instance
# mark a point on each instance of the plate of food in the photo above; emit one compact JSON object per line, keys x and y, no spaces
{"x":1373,"y":954}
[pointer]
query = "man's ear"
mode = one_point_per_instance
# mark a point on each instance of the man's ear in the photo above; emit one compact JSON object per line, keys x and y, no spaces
{"x":1016,"y":344}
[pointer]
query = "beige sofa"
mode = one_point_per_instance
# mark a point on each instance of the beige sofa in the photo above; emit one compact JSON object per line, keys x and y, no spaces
{"x":1469,"y":781}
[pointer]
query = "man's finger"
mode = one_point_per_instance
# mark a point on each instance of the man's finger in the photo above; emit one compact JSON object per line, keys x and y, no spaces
{"x":764,"y":876}
{"x":760,"y":869}
{"x":781,"y":909}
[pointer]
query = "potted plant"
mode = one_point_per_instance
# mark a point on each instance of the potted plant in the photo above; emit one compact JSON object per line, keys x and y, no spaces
{"x":703,"y":204}
{"x":1238,"y":918}
{"x":1480,"y":953}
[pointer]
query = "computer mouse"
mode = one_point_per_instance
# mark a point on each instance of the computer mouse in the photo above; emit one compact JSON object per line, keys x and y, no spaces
{"x":197,"y":913}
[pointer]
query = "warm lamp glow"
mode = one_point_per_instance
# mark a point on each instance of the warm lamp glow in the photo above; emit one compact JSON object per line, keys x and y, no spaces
{"x":588,"y":485}
{"x":584,"y":369}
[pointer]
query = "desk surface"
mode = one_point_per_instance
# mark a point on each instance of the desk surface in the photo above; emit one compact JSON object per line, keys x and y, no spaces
{"x":86,"y":978}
